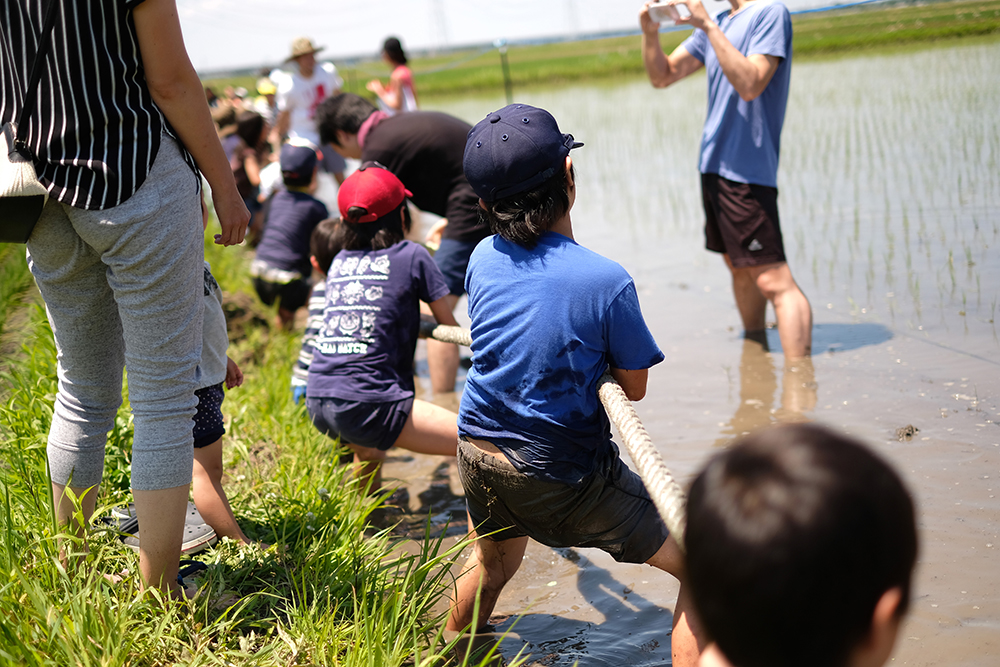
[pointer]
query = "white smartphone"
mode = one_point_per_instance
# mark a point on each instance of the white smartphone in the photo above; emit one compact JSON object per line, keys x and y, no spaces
{"x":669,"y":14}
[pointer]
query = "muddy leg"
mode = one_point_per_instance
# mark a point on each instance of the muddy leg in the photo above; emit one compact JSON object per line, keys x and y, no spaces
{"x":490,"y":567}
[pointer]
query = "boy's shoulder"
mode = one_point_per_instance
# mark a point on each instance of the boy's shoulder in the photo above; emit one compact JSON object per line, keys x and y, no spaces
{"x":559,"y":253}
{"x":295,"y":199}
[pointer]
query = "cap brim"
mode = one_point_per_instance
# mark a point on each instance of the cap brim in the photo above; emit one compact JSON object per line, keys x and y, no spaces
{"x":304,"y":53}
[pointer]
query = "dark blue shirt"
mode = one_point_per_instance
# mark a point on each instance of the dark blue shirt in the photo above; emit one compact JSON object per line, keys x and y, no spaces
{"x":290,"y":224}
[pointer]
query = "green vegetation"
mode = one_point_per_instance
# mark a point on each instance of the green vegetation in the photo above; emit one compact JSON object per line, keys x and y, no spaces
{"x":876,"y":27}
{"x":335,"y":590}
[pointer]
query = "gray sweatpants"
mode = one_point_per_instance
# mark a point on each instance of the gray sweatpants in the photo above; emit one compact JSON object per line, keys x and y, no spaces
{"x":124,"y":286}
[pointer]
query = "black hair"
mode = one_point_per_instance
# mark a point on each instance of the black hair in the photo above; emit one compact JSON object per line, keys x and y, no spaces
{"x":250,"y":127}
{"x":378,"y":234}
{"x":524,"y":217}
{"x":793,"y":536}
{"x":326,"y":241}
{"x":392,"y":48}
{"x":344,"y":111}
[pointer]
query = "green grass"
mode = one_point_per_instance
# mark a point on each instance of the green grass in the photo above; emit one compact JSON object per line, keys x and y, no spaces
{"x":872,"y":28}
{"x":15,"y":279}
{"x":337,"y":591}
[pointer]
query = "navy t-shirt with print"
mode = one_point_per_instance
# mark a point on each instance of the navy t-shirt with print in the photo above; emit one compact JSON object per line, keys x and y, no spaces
{"x":371,"y":320}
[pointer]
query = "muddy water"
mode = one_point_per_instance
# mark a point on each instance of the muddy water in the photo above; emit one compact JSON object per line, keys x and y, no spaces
{"x":890,"y":202}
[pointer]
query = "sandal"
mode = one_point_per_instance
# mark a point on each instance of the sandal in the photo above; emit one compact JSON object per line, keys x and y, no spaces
{"x":198,"y":535}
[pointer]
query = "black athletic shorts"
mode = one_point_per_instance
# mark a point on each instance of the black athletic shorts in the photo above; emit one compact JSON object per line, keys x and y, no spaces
{"x":611,"y":510}
{"x":741,"y":220}
{"x":291,"y":297}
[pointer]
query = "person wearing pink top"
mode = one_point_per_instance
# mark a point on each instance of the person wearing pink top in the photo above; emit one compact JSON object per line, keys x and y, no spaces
{"x":399,"y":94}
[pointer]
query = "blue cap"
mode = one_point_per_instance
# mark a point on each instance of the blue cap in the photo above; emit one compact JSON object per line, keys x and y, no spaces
{"x":297,"y":162}
{"x":514,"y":150}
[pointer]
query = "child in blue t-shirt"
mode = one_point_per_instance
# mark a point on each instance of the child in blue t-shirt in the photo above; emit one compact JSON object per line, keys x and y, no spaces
{"x":549,"y":317}
{"x":360,"y":386}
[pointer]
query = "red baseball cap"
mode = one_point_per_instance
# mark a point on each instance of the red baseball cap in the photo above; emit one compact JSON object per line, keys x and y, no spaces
{"x":373,"y":188}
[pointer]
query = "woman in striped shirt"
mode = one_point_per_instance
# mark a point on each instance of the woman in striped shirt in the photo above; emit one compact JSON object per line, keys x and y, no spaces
{"x":119,"y":134}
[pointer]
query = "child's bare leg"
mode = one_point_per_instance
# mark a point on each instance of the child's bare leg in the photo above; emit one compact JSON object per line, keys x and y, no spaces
{"x":430,"y":429}
{"x":286,"y":318}
{"x":209,"y":496}
{"x":490,"y":567}
{"x":371,"y":466}
{"x":686,"y":642}
{"x":66,"y":509}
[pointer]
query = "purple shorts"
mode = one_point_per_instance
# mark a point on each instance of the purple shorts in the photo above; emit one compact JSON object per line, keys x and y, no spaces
{"x":376,"y":425}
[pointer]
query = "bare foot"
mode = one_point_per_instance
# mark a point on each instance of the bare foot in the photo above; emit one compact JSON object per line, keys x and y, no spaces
{"x":116,"y":579}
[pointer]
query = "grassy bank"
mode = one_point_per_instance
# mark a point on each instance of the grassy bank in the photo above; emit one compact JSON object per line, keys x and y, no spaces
{"x":335,"y":591}
{"x":876,"y":27}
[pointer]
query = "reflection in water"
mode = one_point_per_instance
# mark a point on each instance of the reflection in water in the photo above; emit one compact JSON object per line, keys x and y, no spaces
{"x":891,"y":216}
{"x":758,"y":385}
{"x":888,"y":188}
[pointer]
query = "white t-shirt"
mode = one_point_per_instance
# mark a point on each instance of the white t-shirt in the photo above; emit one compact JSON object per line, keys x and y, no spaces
{"x":300,"y":97}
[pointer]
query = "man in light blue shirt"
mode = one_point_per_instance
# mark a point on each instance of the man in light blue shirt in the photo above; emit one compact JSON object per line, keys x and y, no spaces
{"x":746,"y":52}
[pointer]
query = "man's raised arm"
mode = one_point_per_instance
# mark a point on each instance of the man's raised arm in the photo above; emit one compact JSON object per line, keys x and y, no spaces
{"x":662,"y":70}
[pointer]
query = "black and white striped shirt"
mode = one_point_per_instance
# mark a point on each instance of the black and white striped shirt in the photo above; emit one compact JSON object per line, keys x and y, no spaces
{"x":95,"y":131}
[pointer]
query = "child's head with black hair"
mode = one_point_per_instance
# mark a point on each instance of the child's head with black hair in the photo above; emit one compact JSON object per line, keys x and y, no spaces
{"x":250,"y":127}
{"x":326,"y":241}
{"x":516,"y":160}
{"x":372,"y":203}
{"x":801,"y":545}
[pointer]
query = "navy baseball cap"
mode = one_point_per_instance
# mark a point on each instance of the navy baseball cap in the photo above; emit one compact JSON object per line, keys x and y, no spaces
{"x":514,"y":150}
{"x":297,"y":162}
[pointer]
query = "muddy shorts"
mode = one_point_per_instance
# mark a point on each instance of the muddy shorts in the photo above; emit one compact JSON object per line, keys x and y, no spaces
{"x":208,"y":423}
{"x":610,"y":511}
{"x":741,"y":220}
{"x":375,"y":425}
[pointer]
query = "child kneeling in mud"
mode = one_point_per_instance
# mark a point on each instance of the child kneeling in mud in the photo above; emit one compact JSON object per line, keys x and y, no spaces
{"x":801,"y":545}
{"x":549,"y":317}
{"x":360,"y":386}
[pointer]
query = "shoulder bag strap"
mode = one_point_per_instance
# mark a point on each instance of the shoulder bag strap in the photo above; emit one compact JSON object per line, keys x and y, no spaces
{"x":36,"y":73}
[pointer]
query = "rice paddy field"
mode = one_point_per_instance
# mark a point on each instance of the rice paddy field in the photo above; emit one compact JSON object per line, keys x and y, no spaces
{"x":880,"y":27}
{"x":890,"y":205}
{"x":890,"y":202}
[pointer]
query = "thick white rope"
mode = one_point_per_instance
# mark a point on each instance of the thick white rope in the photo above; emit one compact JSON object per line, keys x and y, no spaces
{"x":668,"y":496}
{"x":447,"y":334}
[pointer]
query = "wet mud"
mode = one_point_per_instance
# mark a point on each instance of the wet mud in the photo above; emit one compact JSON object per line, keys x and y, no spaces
{"x":890,"y":208}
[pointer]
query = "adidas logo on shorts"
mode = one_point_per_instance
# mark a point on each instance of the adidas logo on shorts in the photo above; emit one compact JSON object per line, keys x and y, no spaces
{"x":754,"y":246}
